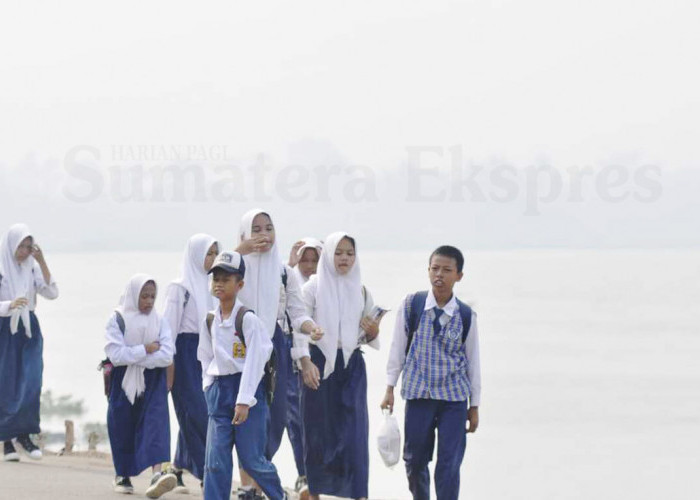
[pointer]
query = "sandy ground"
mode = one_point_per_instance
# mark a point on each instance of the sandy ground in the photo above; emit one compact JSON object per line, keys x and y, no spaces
{"x":65,"y":477}
{"x":78,"y":476}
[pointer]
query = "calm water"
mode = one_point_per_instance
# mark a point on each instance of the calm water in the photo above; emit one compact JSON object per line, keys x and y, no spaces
{"x":590,"y":365}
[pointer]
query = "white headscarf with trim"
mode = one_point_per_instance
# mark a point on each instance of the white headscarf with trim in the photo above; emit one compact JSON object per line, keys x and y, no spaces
{"x":308,"y":243}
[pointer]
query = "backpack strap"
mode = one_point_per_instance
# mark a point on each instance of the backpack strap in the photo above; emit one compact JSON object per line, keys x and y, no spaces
{"x":120,"y":322}
{"x":187,"y":298}
{"x":284,"y":276}
{"x":210,"y":321}
{"x":413,"y":314}
{"x":239,"y":323}
{"x":466,"y":312}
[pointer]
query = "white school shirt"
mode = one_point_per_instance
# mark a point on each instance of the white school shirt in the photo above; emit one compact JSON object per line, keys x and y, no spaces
{"x":397,"y":355}
{"x":292,"y":302}
{"x":48,"y":291}
{"x":301,"y":341}
{"x":181,"y":318}
{"x":215,"y":352}
{"x":121,"y":354}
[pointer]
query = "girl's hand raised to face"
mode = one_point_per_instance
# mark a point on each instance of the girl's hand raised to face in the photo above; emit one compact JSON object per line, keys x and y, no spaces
{"x":294,"y":253}
{"x":371,"y":328}
{"x":37,"y":253}
{"x":254,"y":244}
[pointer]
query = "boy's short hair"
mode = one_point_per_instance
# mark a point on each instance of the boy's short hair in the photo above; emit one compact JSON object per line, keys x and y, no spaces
{"x":221,"y":271}
{"x":451,"y":252}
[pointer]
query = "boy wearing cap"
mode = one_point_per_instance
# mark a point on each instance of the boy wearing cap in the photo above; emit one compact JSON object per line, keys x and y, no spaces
{"x":232,"y":369}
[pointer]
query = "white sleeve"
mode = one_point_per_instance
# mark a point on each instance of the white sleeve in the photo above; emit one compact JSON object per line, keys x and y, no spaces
{"x":164,"y":355}
{"x":258,"y":350}
{"x":174,"y":307}
{"x":369,"y":304}
{"x":205,"y":353}
{"x":295,"y":302}
{"x":471,"y":348}
{"x":397,"y":354}
{"x":46,"y":290}
{"x":300,"y":347}
{"x":5,"y":308}
{"x":117,"y":351}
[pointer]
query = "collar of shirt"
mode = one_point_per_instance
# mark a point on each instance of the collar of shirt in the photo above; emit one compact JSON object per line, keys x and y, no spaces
{"x":228,"y":321}
{"x":449,"y":308}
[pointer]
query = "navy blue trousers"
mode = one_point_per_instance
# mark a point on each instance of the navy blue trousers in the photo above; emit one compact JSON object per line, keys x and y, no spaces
{"x":336,"y":429}
{"x":139,"y":434}
{"x":423,"y":418}
{"x":277,"y":416}
{"x":190,"y":406}
{"x":249,"y":439}
{"x":295,"y":431}
{"x":21,"y":369}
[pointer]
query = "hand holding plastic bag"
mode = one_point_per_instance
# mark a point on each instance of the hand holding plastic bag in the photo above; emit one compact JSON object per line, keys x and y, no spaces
{"x":389,"y":440}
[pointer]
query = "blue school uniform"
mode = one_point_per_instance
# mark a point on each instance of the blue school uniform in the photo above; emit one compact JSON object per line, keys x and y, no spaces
{"x":188,"y":396}
{"x":21,"y":371}
{"x":21,"y":362}
{"x":139,"y":432}
{"x":232,"y":375}
{"x":336,"y":428}
{"x":441,"y":377}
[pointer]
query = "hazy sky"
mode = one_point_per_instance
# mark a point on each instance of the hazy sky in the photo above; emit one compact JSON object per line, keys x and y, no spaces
{"x":556,"y":84}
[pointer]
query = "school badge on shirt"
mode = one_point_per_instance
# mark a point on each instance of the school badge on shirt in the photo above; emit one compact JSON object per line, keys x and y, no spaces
{"x":238,"y":350}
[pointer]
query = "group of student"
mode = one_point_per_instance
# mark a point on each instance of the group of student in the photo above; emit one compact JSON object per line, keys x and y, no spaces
{"x":248,"y":347}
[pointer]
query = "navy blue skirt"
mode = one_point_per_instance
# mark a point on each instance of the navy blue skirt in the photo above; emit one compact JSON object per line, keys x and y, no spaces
{"x":336,"y":429}
{"x":21,"y":370}
{"x":277,"y":415}
{"x":190,"y":406}
{"x":139,"y":434}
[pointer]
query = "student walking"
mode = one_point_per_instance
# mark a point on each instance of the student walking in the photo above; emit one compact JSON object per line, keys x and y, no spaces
{"x":23,"y":274}
{"x":189,"y":300}
{"x":139,"y":345}
{"x":436,"y":346}
{"x":336,"y":422}
{"x":233,"y":349}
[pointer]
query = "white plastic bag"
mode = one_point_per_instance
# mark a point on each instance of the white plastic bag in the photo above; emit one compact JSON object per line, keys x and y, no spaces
{"x":389,"y":440}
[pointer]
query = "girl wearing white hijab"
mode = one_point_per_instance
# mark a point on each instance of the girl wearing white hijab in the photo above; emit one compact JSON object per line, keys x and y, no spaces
{"x":336,"y":424}
{"x":265,"y":293}
{"x":189,"y":299}
{"x":304,"y":258}
{"x":23,"y":275}
{"x":140,"y":346}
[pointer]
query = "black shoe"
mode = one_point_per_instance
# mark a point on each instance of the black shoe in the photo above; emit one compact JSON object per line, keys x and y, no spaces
{"x":29,"y":447}
{"x":11,"y":454}
{"x":123,"y":485}
{"x":180,"y":486}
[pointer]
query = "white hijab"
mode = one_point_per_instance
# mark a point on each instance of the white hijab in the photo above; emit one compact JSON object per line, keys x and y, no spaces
{"x":308,"y":243}
{"x":139,"y":329}
{"x":17,"y":276}
{"x":263,"y":276}
{"x":339,"y":305}
{"x":193,"y":277}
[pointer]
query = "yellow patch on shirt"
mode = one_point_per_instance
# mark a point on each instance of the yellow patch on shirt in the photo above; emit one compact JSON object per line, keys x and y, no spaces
{"x":238,"y":350}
